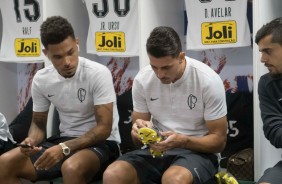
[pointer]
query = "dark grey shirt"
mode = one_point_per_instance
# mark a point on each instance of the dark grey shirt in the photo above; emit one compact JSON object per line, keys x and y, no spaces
{"x":270,"y":98}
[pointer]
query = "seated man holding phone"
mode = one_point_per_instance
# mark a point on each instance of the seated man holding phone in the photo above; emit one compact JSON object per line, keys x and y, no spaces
{"x":83,"y":93}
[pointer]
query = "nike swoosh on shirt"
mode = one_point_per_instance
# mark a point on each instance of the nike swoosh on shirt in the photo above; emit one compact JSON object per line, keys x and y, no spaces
{"x":50,"y":95}
{"x":153,"y":99}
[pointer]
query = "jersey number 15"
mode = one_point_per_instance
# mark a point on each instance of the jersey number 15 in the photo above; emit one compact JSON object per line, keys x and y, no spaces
{"x":27,"y":7}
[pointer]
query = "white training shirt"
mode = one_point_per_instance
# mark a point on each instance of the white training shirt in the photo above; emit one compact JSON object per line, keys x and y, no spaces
{"x":182,"y":106}
{"x":76,"y":97}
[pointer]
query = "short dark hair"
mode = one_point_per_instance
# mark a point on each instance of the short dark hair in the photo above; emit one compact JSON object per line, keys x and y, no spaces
{"x":273,"y":28}
{"x":164,"y":41}
{"x":54,"y":30}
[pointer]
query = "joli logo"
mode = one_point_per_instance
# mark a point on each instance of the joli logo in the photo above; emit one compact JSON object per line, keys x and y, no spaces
{"x":219,"y":32}
{"x":110,"y":42}
{"x":27,"y":47}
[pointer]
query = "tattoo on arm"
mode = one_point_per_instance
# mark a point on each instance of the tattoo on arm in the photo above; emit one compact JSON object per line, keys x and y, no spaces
{"x":90,"y":136}
{"x":105,"y":109}
{"x":103,"y":113}
{"x":40,"y":120}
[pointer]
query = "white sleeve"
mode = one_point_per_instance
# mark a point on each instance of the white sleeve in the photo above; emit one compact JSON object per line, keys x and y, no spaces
{"x":40,"y":102}
{"x":138,"y":97}
{"x":214,"y":99}
{"x":103,"y":90}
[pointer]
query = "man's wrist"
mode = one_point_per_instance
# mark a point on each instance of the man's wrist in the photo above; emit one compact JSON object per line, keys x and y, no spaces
{"x":65,"y":149}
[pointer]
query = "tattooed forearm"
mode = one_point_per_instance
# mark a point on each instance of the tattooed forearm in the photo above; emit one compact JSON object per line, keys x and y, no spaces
{"x":90,"y":135}
{"x":100,"y":132}
{"x":101,"y":110}
{"x":40,"y":120}
{"x":37,"y":130}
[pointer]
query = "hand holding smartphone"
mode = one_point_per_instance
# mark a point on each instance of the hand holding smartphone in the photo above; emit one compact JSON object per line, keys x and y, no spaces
{"x":25,"y":146}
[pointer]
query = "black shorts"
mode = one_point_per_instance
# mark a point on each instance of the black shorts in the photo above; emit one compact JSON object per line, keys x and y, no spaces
{"x":6,"y":146}
{"x":150,"y":170}
{"x":272,"y":175}
{"x":107,"y":152}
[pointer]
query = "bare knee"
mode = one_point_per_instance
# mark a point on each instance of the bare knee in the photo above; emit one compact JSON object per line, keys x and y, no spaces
{"x":9,"y":161}
{"x":120,"y":172}
{"x":176,"y":174}
{"x":113,"y":171}
{"x":80,"y":167}
{"x":5,"y":158}
{"x":14,"y":164}
{"x":4,"y":164}
{"x":72,"y":169}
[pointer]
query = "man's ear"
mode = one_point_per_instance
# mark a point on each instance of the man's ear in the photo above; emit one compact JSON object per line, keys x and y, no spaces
{"x":181,"y":57}
{"x":77,"y":41}
{"x":44,"y":51}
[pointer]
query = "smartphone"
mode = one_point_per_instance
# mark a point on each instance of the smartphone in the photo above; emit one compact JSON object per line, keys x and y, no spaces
{"x":25,"y":146}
